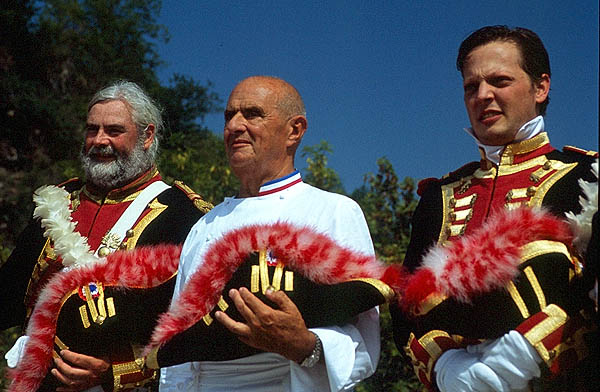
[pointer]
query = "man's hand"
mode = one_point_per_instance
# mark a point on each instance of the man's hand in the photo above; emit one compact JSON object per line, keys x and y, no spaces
{"x":78,"y":372}
{"x":280,"y":331}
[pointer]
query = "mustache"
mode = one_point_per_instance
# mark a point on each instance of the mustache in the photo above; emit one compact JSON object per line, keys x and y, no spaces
{"x":101,"y":151}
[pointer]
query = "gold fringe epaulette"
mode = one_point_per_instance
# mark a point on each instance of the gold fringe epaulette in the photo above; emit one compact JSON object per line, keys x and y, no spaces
{"x":198,"y":201}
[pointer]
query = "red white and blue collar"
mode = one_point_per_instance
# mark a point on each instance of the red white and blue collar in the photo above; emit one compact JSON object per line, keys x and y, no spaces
{"x":280,"y":184}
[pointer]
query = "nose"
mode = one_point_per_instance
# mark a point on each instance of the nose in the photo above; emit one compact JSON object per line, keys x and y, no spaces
{"x":100,"y":138}
{"x":236,"y":123}
{"x":485,"y":91}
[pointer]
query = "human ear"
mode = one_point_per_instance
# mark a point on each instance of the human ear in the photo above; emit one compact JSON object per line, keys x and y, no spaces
{"x":297,"y":127}
{"x":542,"y":88}
{"x":149,"y":139}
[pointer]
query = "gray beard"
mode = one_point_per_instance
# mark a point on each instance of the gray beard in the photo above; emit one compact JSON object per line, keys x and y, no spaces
{"x":112,"y":175}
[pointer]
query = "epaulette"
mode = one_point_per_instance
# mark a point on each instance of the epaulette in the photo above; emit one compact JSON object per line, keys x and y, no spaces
{"x":580,"y":151}
{"x":199,"y":203}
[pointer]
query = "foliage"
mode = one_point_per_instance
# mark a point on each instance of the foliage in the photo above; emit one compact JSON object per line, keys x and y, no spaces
{"x":55,"y":54}
{"x":317,"y":172}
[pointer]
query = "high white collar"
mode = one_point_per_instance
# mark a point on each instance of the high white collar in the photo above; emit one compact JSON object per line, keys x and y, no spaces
{"x":527,"y":131}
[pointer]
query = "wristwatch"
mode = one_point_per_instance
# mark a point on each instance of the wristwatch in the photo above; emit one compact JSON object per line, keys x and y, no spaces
{"x":315,"y":355}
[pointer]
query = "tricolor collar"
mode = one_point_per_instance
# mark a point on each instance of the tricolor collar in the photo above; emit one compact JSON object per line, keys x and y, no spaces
{"x":280,"y":184}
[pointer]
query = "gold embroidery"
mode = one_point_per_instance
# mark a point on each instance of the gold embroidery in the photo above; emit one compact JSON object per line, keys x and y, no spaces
{"x":519,"y":167}
{"x":289,"y":281}
{"x":528,"y":145}
{"x":518,"y":300}
{"x":101,"y":306}
{"x":199,"y":203}
{"x":447,"y":197}
{"x":75,"y":201}
{"x":61,"y":345}
{"x":222,"y":304}
{"x":110,"y":304}
{"x":561,"y":170}
{"x":84,"y":317}
{"x":263,"y":270}
{"x":535,"y":285}
{"x":156,"y":208}
{"x":385,"y":290}
{"x":485,"y":174}
{"x":207,"y":319}
{"x":111,"y":241}
{"x":277,"y":275}
{"x":254,"y":278}
{"x":432,"y":348}
{"x":91,"y":305}
{"x":542,"y":247}
{"x":120,"y":369}
{"x":429,"y":303}
{"x":556,"y":318}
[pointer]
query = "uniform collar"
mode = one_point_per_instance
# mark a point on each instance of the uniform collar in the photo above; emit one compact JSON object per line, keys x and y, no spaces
{"x":127,"y":192}
{"x":528,"y":131}
{"x":280,"y":184}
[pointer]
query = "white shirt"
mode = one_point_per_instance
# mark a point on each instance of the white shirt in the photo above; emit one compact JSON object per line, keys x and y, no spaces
{"x":351,"y":352}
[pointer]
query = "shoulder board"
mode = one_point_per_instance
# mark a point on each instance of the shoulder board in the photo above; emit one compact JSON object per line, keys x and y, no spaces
{"x":199,"y":203}
{"x":580,"y":151}
{"x":72,"y":184}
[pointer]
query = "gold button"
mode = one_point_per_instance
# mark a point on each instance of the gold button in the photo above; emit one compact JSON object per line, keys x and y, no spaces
{"x":547,"y":165}
{"x":509,"y":196}
{"x":452,"y":202}
{"x":552,"y":353}
{"x":530,"y":191}
{"x":129,"y":233}
{"x":452,"y":216}
{"x":123,"y":245}
{"x":103,"y":252}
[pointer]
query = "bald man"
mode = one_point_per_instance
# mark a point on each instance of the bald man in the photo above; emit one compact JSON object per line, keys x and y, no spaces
{"x":265,"y":121}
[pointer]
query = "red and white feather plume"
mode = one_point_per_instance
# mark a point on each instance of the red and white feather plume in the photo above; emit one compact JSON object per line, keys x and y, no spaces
{"x":483,"y":261}
{"x":144,"y":267}
{"x":314,"y":255}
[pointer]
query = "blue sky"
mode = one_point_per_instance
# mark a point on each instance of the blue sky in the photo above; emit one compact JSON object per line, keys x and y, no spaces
{"x":379,"y":78}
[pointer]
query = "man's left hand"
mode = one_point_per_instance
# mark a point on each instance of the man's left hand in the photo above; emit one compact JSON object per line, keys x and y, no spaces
{"x":280,"y":331}
{"x":78,"y":372}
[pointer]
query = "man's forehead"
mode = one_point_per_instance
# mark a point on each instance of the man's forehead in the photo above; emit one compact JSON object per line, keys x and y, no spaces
{"x":251,"y":95}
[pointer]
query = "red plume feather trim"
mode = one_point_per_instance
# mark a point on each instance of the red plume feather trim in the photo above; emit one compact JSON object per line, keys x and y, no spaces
{"x":144,"y":267}
{"x":314,"y":255}
{"x":485,"y":260}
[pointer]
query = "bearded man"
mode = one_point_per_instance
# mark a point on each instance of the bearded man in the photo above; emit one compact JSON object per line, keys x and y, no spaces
{"x":123,"y":204}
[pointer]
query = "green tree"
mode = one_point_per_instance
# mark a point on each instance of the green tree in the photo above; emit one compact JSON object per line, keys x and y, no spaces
{"x":317,"y":172}
{"x":388,"y":205}
{"x":54,"y":55}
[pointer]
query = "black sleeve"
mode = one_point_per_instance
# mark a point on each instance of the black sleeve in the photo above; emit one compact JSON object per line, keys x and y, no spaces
{"x":426,"y":224}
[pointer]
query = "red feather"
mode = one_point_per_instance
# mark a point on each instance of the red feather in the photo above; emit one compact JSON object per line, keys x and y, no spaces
{"x":483,"y":261}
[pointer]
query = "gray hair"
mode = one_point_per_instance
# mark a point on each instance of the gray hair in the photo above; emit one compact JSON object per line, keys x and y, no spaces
{"x":144,"y":110}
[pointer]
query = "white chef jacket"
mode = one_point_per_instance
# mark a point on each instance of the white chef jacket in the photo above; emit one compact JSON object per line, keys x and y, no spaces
{"x":351,"y":352}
